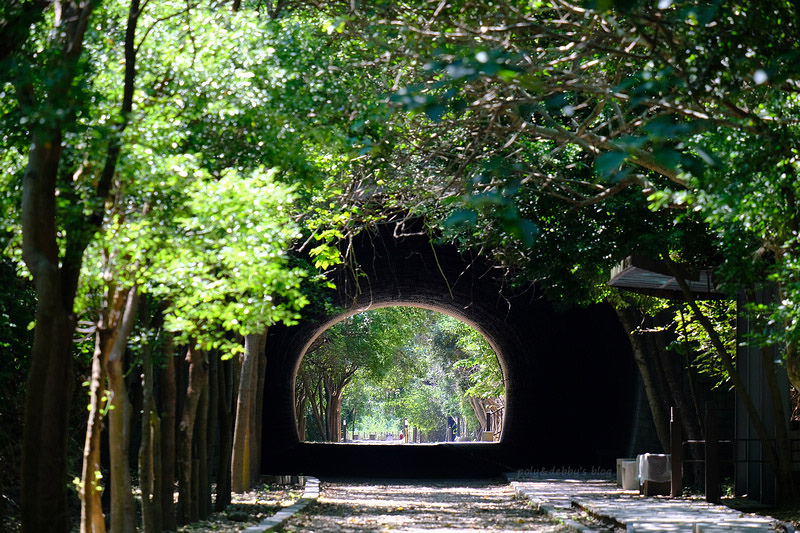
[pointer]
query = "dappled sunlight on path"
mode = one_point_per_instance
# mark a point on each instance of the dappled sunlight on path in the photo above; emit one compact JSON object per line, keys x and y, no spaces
{"x":637,"y":513}
{"x":460,"y":505}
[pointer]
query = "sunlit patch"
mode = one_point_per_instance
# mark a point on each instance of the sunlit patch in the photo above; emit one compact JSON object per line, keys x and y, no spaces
{"x":420,"y":506}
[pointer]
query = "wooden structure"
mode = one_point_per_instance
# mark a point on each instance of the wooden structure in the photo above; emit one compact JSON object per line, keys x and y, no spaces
{"x":753,"y":475}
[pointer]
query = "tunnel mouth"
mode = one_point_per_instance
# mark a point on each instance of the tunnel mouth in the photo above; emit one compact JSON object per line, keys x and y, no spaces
{"x":399,"y":373}
{"x":569,"y":375}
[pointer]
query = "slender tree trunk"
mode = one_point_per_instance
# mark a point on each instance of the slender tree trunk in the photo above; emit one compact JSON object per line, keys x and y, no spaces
{"x":242,"y":433}
{"x":113,"y":329}
{"x":628,"y":318}
{"x":333,"y":415}
{"x":236,"y":374}
{"x":213,"y":420}
{"x":480,"y":412}
{"x":157,"y":482}
{"x":252,"y":429}
{"x":316,"y":397}
{"x":687,"y":362}
{"x":300,"y":404}
{"x":49,"y":387}
{"x":258,"y":410}
{"x":149,"y":458}
{"x":194,"y":487}
{"x":225,"y":380}
{"x":201,"y":441}
{"x":123,"y":511}
{"x":329,"y":436}
{"x":198,"y":372}
{"x":146,"y":472}
{"x":674,"y":393}
{"x":92,"y":517}
{"x":167,"y":392}
{"x":692,"y":427}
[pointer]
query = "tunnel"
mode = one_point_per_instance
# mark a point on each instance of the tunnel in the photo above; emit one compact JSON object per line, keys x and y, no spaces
{"x":570,"y":379}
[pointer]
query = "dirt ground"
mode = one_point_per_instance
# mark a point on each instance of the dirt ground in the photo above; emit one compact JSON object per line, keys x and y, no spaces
{"x":452,"y":505}
{"x":247,"y":509}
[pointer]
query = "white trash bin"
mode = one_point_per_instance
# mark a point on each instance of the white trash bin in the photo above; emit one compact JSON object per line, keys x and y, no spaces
{"x":630,"y":477}
{"x":619,"y":468}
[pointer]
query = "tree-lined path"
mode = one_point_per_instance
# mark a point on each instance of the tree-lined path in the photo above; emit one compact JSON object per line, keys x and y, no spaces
{"x":424,"y":505}
{"x":193,"y":194}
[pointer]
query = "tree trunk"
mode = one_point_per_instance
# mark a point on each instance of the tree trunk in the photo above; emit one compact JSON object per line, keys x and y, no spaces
{"x":48,"y":396}
{"x":628,"y":318}
{"x":198,"y":373}
{"x":692,"y":426}
{"x":167,"y":392}
{"x":92,"y":517}
{"x":258,"y":410}
{"x":213,"y":420}
{"x":300,"y":403}
{"x":480,"y":412}
{"x":149,"y":458}
{"x":113,"y":329}
{"x":146,"y":472}
{"x":333,"y":415}
{"x":316,"y":397}
{"x":225,"y":380}
{"x":49,"y":386}
{"x":194,"y":488}
{"x":242,"y":433}
{"x":157,"y":483}
{"x":123,"y":510}
{"x":203,"y":487}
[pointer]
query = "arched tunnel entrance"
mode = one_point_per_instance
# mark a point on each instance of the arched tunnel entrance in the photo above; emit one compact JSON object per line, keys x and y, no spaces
{"x":570,"y":379}
{"x":399,"y":374}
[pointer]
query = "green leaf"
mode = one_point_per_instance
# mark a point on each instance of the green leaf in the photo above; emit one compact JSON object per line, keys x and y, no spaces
{"x":610,"y":162}
{"x":462,"y":217}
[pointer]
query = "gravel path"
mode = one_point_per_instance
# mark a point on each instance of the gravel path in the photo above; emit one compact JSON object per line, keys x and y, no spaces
{"x":452,"y":505}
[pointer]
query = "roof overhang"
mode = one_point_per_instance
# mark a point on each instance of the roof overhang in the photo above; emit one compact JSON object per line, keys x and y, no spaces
{"x":653,"y":277}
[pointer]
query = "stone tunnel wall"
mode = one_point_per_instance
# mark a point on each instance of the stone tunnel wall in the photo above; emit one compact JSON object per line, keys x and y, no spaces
{"x":570,"y":379}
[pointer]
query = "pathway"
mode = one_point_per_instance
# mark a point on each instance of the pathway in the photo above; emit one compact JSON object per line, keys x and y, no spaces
{"x":560,"y":497}
{"x":452,"y":505}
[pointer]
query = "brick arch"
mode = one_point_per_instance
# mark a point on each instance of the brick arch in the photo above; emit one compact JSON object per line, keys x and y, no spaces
{"x":570,"y":380}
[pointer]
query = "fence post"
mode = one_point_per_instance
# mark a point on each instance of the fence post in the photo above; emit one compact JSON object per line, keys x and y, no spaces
{"x":712,"y":457}
{"x":676,"y":453}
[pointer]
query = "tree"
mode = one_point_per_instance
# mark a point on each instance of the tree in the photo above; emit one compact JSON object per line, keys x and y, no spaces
{"x":551,"y":137}
{"x":583,"y":104}
{"x":372,"y":343}
{"x":75,"y":190}
{"x":244,"y":442}
{"x":46,"y":88}
{"x":17,"y":305}
{"x":481,"y":381}
{"x":391,"y":364}
{"x":596,"y":107}
{"x":376,"y":345}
